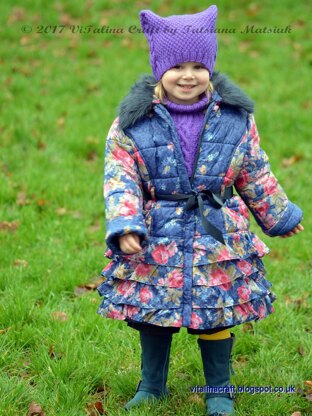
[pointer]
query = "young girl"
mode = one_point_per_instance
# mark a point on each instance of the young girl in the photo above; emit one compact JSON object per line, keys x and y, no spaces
{"x":183,"y":165}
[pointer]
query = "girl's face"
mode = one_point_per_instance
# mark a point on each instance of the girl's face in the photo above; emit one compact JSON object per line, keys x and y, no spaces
{"x":184,"y":83}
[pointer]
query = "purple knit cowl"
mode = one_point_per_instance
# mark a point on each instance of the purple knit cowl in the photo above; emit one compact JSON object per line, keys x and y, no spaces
{"x":188,"y":119}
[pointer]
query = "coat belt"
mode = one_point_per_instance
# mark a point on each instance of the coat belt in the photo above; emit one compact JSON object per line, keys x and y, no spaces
{"x":196,"y":199}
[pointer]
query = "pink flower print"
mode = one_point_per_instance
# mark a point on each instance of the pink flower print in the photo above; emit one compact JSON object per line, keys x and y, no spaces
{"x":132,"y":310}
{"x":172,"y":249}
{"x":218,"y":277}
{"x":177,"y":323}
{"x":143,"y":269}
{"x":224,"y":254}
{"x":115,"y":314}
{"x":236,"y":238}
{"x":176,"y":278}
{"x":196,"y":320}
{"x":123,"y":156}
{"x":125,"y":288}
{"x":270,"y":185}
{"x":245,"y":267}
{"x":226,"y":286}
{"x":254,"y":135}
{"x":108,"y":253}
{"x":128,"y":208}
{"x":138,"y":158}
{"x":262,"y":311}
{"x":242,"y":179}
{"x":108,"y":267}
{"x":270,"y":221}
{"x":242,"y":310}
{"x":106,"y":189}
{"x":145,"y":295}
{"x":228,"y":180}
{"x":234,"y":215}
{"x":244,"y":210}
{"x":199,"y":249}
{"x":259,"y":246}
{"x":160,"y":254}
{"x":262,"y":208}
{"x":243,"y":292}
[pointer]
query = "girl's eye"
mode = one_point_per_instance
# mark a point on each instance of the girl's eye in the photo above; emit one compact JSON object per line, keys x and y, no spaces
{"x":177,"y":67}
{"x":199,"y":67}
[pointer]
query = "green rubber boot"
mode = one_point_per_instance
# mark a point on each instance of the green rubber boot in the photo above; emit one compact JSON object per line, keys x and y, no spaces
{"x":216,"y":356}
{"x":154,"y":367}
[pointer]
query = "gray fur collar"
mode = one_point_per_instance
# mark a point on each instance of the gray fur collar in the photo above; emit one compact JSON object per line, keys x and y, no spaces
{"x":138,"y":103}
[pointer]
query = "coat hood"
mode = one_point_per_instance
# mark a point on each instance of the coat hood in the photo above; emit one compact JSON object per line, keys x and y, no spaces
{"x":138,"y":103}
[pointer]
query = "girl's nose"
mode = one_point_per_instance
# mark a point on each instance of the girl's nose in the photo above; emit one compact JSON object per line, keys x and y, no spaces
{"x":188,"y":74}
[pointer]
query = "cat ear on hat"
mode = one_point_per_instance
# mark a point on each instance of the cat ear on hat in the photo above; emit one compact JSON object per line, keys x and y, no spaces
{"x":149,"y":22}
{"x":209,"y":16}
{"x":212,"y":11}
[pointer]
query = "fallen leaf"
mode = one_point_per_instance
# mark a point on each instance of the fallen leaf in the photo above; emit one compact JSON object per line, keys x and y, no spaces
{"x":42,"y":203}
{"x":18,"y":14}
{"x":55,"y":355}
{"x":61,"y":122}
{"x":309,"y":397}
{"x":253,"y":9}
{"x":60,"y":316}
{"x":41,"y":145}
{"x":308,"y":387}
{"x":22,"y":199}
{"x":91,"y":156}
{"x":82,"y":289}
{"x":296,"y":414}
{"x":76,"y":214}
{"x":10,"y":226}
{"x":253,"y":54}
{"x":248,"y":327}
{"x":3,"y":331}
{"x":299,"y":23}
{"x":92,"y":140}
{"x":301,"y":350}
{"x":297,"y":303}
{"x":20,"y":263}
{"x":96,"y":226}
{"x":66,"y":20}
{"x":286,"y":163}
{"x":96,"y":409}
{"x":195,"y":398}
{"x":5,"y":169}
{"x":244,"y":45}
{"x":35,"y":409}
{"x":61,"y":211}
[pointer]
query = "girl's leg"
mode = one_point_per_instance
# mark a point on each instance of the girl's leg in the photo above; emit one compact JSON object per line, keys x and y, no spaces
{"x":154,"y":366}
{"x":216,"y":351}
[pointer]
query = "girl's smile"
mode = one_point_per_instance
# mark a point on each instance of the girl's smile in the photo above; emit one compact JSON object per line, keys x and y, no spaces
{"x":184,"y":83}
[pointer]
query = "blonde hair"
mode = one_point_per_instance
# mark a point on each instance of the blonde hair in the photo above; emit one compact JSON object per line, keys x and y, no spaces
{"x":160,"y":93}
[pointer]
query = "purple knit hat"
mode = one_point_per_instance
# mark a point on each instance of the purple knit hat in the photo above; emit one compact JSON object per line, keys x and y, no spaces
{"x":180,"y":38}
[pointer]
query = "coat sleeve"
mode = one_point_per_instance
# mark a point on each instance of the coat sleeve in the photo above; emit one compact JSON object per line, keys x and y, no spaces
{"x":261,"y":191}
{"x":122,"y":190}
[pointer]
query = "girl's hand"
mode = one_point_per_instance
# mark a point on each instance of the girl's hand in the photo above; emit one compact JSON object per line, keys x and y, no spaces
{"x":295,"y":230}
{"x":130,"y":243}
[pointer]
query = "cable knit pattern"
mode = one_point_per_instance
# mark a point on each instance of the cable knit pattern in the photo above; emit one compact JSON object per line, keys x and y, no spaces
{"x":180,"y":38}
{"x":189,"y":121}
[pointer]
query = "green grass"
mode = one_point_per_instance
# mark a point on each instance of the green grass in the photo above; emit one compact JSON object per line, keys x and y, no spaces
{"x":59,"y":94}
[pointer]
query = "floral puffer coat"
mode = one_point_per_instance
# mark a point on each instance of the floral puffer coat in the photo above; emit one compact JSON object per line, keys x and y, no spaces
{"x":184,"y":277}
